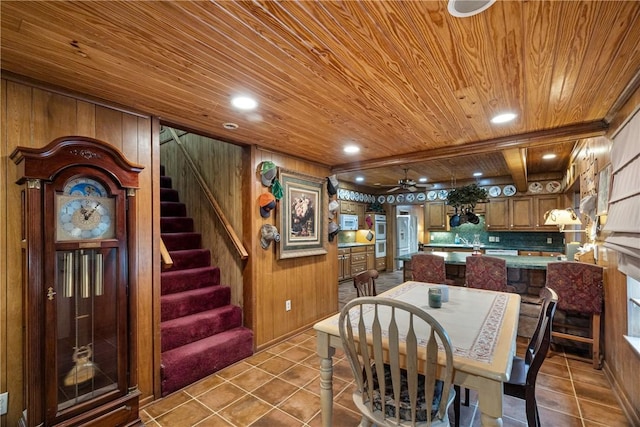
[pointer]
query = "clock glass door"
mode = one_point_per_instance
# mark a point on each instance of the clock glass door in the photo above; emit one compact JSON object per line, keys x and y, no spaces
{"x":87,"y":345}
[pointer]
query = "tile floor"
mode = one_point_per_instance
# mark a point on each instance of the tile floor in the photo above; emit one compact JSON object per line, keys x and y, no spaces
{"x":280,"y":386}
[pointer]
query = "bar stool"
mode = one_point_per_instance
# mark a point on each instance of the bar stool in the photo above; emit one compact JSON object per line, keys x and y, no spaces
{"x":429,"y":268}
{"x":580,"y":290}
{"x":486,"y":272}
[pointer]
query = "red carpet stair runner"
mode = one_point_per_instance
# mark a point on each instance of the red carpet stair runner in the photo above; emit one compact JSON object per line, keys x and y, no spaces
{"x":201,"y":332}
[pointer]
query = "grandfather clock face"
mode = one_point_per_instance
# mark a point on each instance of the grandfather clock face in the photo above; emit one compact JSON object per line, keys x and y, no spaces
{"x":84,"y":211}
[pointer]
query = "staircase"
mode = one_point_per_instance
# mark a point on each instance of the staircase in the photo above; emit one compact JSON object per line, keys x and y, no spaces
{"x":201,"y":332}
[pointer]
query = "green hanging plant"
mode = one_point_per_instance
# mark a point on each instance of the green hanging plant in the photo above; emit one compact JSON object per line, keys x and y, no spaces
{"x":467,"y":196}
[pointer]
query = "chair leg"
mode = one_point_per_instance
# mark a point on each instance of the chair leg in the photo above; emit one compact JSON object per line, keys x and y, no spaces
{"x":595,"y":347}
{"x":456,"y":406}
{"x":533,"y":419}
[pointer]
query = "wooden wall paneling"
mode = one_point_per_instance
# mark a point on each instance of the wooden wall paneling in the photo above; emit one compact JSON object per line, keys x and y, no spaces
{"x":18,"y":131}
{"x":152,"y":379}
{"x":33,"y":117}
{"x":86,"y":119}
{"x":309,"y":282}
{"x":109,"y":126}
{"x":621,"y":365}
{"x":3,"y":236}
{"x":56,"y":116}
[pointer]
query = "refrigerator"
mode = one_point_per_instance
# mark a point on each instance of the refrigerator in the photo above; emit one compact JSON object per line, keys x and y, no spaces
{"x":407,"y":236}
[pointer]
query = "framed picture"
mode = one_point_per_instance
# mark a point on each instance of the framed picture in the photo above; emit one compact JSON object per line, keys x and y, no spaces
{"x":301,"y":216}
{"x":603,"y":190}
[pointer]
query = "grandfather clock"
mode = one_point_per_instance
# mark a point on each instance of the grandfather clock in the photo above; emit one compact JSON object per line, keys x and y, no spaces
{"x":78,"y":233}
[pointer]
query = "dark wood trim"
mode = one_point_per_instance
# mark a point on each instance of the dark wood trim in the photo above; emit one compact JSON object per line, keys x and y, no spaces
{"x":530,"y":139}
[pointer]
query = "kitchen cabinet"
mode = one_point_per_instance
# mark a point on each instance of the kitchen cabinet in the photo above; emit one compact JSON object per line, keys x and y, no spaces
{"x":353,"y":260}
{"x":354,"y":208}
{"x":551,"y":254}
{"x":381,"y":264}
{"x":543,"y":204}
{"x":358,"y":260}
{"x":344,"y":264}
{"x":371,"y":257}
{"x":497,"y":215}
{"x":520,"y":213}
{"x":529,"y":253}
{"x":435,"y":216}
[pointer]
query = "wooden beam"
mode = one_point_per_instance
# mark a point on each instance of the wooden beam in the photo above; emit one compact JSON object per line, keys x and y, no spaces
{"x":516,"y":159}
{"x":530,"y":139}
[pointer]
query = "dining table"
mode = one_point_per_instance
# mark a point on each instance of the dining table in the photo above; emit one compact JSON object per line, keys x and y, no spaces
{"x":482,"y":326}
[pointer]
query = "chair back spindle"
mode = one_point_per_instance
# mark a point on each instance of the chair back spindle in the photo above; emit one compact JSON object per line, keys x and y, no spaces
{"x":393,"y":349}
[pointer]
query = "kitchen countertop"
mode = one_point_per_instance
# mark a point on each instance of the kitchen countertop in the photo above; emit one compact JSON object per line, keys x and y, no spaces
{"x":513,"y":261}
{"x":354,"y":244}
{"x":495,"y":246}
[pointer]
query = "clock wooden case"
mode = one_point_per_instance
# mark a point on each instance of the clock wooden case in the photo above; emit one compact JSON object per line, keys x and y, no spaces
{"x":78,"y":244}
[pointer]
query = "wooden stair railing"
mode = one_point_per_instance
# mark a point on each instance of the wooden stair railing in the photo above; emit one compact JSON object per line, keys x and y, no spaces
{"x":167,"y":262}
{"x":242,"y":251}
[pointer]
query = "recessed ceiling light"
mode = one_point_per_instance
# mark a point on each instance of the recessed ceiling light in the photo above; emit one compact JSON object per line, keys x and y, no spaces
{"x":359,"y":178}
{"x":351,"y":149}
{"x":464,"y":8}
{"x":422,"y":179}
{"x":477,"y":174}
{"x":549,"y":156}
{"x":503,"y":118}
{"x":244,"y":103}
{"x":230,"y":126}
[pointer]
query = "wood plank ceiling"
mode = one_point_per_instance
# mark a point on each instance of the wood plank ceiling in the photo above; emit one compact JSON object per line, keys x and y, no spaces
{"x":411,"y":85}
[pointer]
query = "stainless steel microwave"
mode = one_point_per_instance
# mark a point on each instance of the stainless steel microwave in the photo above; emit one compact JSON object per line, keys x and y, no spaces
{"x":348,"y":222}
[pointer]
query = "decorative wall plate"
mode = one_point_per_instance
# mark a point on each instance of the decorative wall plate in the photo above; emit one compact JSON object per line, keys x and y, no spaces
{"x":442,"y":194}
{"x":553,"y":186}
{"x":535,"y":187}
{"x":411,"y":197}
{"x":495,"y":191}
{"x":390,"y":198}
{"x":509,"y":190}
{"x":421,"y":197}
{"x":400,"y":198}
{"x":381,"y":199}
{"x":341,"y":192}
{"x":432,"y":195}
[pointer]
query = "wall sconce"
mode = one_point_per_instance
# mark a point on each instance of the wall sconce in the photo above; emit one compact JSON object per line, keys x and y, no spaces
{"x":562,"y":217}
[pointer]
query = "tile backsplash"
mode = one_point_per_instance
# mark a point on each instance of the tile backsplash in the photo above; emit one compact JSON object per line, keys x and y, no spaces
{"x":505,"y":239}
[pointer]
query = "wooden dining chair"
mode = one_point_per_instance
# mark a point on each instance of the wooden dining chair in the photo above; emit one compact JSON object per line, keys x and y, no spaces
{"x":486,"y":272}
{"x":580,"y":290}
{"x":524,"y":371}
{"x":365,"y":283}
{"x":429,"y":268}
{"x":394,"y":388}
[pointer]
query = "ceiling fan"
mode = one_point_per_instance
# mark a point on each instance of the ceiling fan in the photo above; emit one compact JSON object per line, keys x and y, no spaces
{"x":407,"y":184}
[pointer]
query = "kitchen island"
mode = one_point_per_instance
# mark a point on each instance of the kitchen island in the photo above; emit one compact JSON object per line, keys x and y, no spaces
{"x":527,"y":274}
{"x":513,"y":261}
